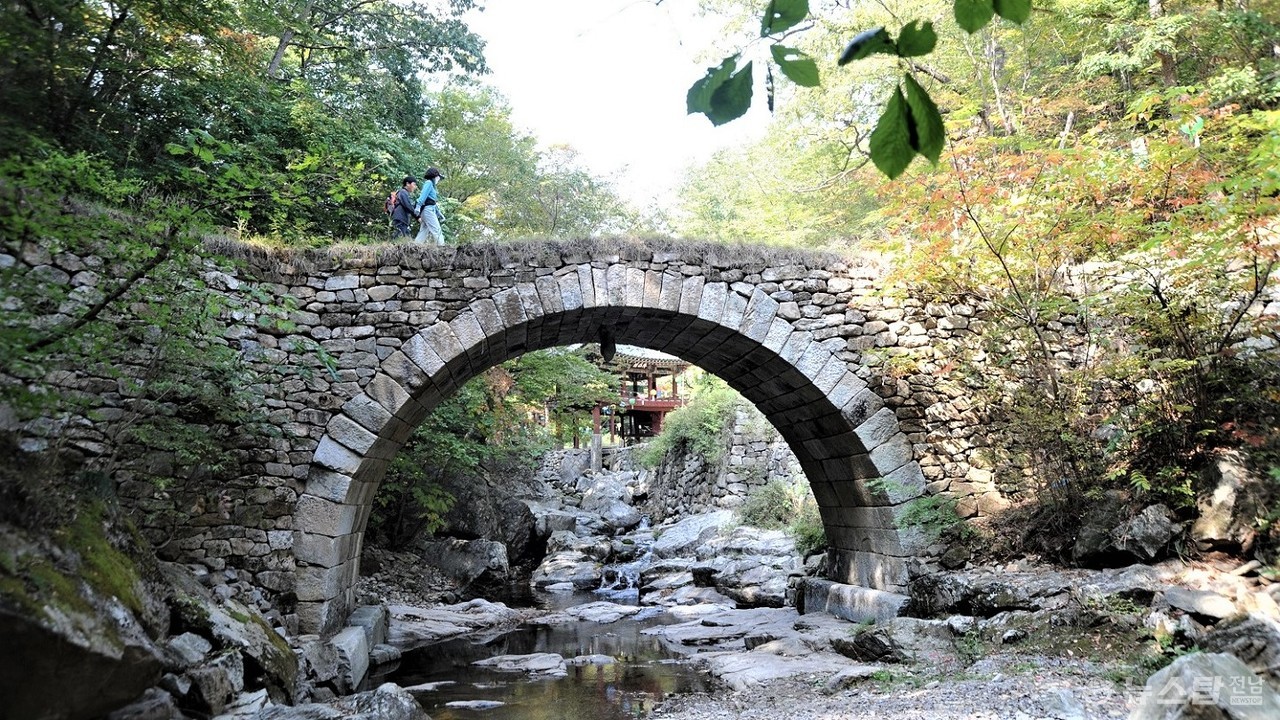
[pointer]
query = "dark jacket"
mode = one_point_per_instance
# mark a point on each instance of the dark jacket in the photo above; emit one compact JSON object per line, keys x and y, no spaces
{"x":402,"y":213}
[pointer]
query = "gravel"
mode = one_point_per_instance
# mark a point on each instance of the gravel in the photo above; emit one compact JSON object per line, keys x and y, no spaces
{"x":1013,"y":686}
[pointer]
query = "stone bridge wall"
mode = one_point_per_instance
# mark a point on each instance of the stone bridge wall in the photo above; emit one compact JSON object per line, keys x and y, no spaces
{"x":863,"y":386}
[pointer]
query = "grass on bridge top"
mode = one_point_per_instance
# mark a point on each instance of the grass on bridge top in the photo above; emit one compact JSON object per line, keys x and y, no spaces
{"x":489,"y":256}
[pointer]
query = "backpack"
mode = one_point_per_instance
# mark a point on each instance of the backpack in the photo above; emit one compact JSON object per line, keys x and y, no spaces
{"x":392,"y":200}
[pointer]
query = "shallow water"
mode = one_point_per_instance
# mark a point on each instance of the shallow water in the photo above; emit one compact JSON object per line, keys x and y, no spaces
{"x":644,"y":673}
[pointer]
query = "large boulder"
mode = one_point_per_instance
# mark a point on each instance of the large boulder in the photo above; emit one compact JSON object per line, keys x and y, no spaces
{"x":1206,"y":605}
{"x":1147,"y":535}
{"x":1207,"y":686}
{"x":901,"y":640}
{"x":548,"y":665}
{"x":684,"y":537}
{"x":1228,"y":512}
{"x":749,"y":565}
{"x":942,"y":594}
{"x":387,"y":702}
{"x":269,"y":661}
{"x":483,"y":511}
{"x":477,"y":566}
{"x":414,"y":627}
{"x":1110,"y":538}
{"x":73,"y":662}
{"x":76,"y":625}
{"x":1255,"y":639}
{"x":568,"y":568}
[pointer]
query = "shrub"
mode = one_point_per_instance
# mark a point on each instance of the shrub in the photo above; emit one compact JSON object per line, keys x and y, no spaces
{"x":771,"y":506}
{"x":808,"y":530}
{"x":699,"y":426}
{"x":778,"y":504}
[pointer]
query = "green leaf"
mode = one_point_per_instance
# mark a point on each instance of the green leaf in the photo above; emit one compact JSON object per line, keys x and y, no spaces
{"x":890,"y":143}
{"x":783,"y":14}
{"x":915,"y":41}
{"x":722,"y":94}
{"x":867,"y":43}
{"x":1015,"y":11}
{"x":175,"y":149}
{"x":973,"y":15}
{"x":930,"y":135}
{"x":698,"y":100}
{"x":797,"y":66}
{"x":732,"y":99}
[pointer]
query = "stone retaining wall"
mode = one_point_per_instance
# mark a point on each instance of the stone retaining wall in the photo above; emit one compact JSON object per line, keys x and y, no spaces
{"x":754,"y":454}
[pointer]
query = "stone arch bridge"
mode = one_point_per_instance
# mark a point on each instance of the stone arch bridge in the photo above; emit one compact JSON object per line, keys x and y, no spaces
{"x":405,"y":327}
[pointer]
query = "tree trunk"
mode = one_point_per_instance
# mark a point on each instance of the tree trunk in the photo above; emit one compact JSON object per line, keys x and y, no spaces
{"x":1168,"y":68}
{"x":286,"y":37}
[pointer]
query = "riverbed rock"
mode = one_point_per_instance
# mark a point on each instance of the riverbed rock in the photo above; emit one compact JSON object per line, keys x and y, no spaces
{"x":482,"y":509}
{"x":1203,"y":686}
{"x":902,"y":640}
{"x":155,"y":704}
{"x":600,"y":489}
{"x":568,"y":567}
{"x":596,"y":659}
{"x":387,"y":702}
{"x":1109,"y":537}
{"x":1146,"y":536}
{"x":1205,"y":604}
{"x":1254,"y":639}
{"x":534,"y":664}
{"x":231,"y":625}
{"x":68,"y":628}
{"x":477,"y":566}
{"x":610,"y":495}
{"x":190,"y":648}
{"x":474,"y":705}
{"x":602,"y":612}
{"x":683,"y":537}
{"x":741,"y":671}
{"x":943,"y":594}
{"x":215,"y":684}
{"x":593,"y":546}
{"x":551,"y":516}
{"x":749,"y":565}
{"x":413,"y":627}
{"x":1228,"y":512}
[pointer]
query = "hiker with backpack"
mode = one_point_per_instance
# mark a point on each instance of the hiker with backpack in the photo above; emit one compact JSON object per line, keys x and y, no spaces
{"x":428,"y":208}
{"x":401,"y":207}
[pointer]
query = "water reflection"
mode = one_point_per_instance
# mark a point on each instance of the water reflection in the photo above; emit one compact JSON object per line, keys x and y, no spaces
{"x":628,"y":688}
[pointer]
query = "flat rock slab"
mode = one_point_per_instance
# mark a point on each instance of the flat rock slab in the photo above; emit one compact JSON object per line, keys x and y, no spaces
{"x":741,"y":671}
{"x":1200,"y":602}
{"x":598,"y":612}
{"x":716,"y":628}
{"x":430,"y":686}
{"x":474,"y":704}
{"x":537,"y":664}
{"x":415,"y":626}
{"x":582,"y":660}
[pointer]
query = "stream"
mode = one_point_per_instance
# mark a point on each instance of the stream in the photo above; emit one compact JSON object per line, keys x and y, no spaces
{"x":450,"y":687}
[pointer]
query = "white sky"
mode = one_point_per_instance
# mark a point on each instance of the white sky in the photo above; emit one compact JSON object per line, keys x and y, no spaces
{"x":609,"y":78}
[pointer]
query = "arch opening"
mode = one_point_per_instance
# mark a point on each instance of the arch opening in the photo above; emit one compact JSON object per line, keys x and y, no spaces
{"x":839,"y":430}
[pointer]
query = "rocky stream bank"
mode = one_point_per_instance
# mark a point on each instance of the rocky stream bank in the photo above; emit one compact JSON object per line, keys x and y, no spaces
{"x":1019,"y":640}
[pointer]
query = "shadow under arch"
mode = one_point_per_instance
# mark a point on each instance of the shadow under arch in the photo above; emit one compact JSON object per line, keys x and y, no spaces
{"x":840,"y":431}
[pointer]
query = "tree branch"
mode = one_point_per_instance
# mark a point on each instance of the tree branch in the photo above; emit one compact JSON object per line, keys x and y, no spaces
{"x":93,"y":312}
